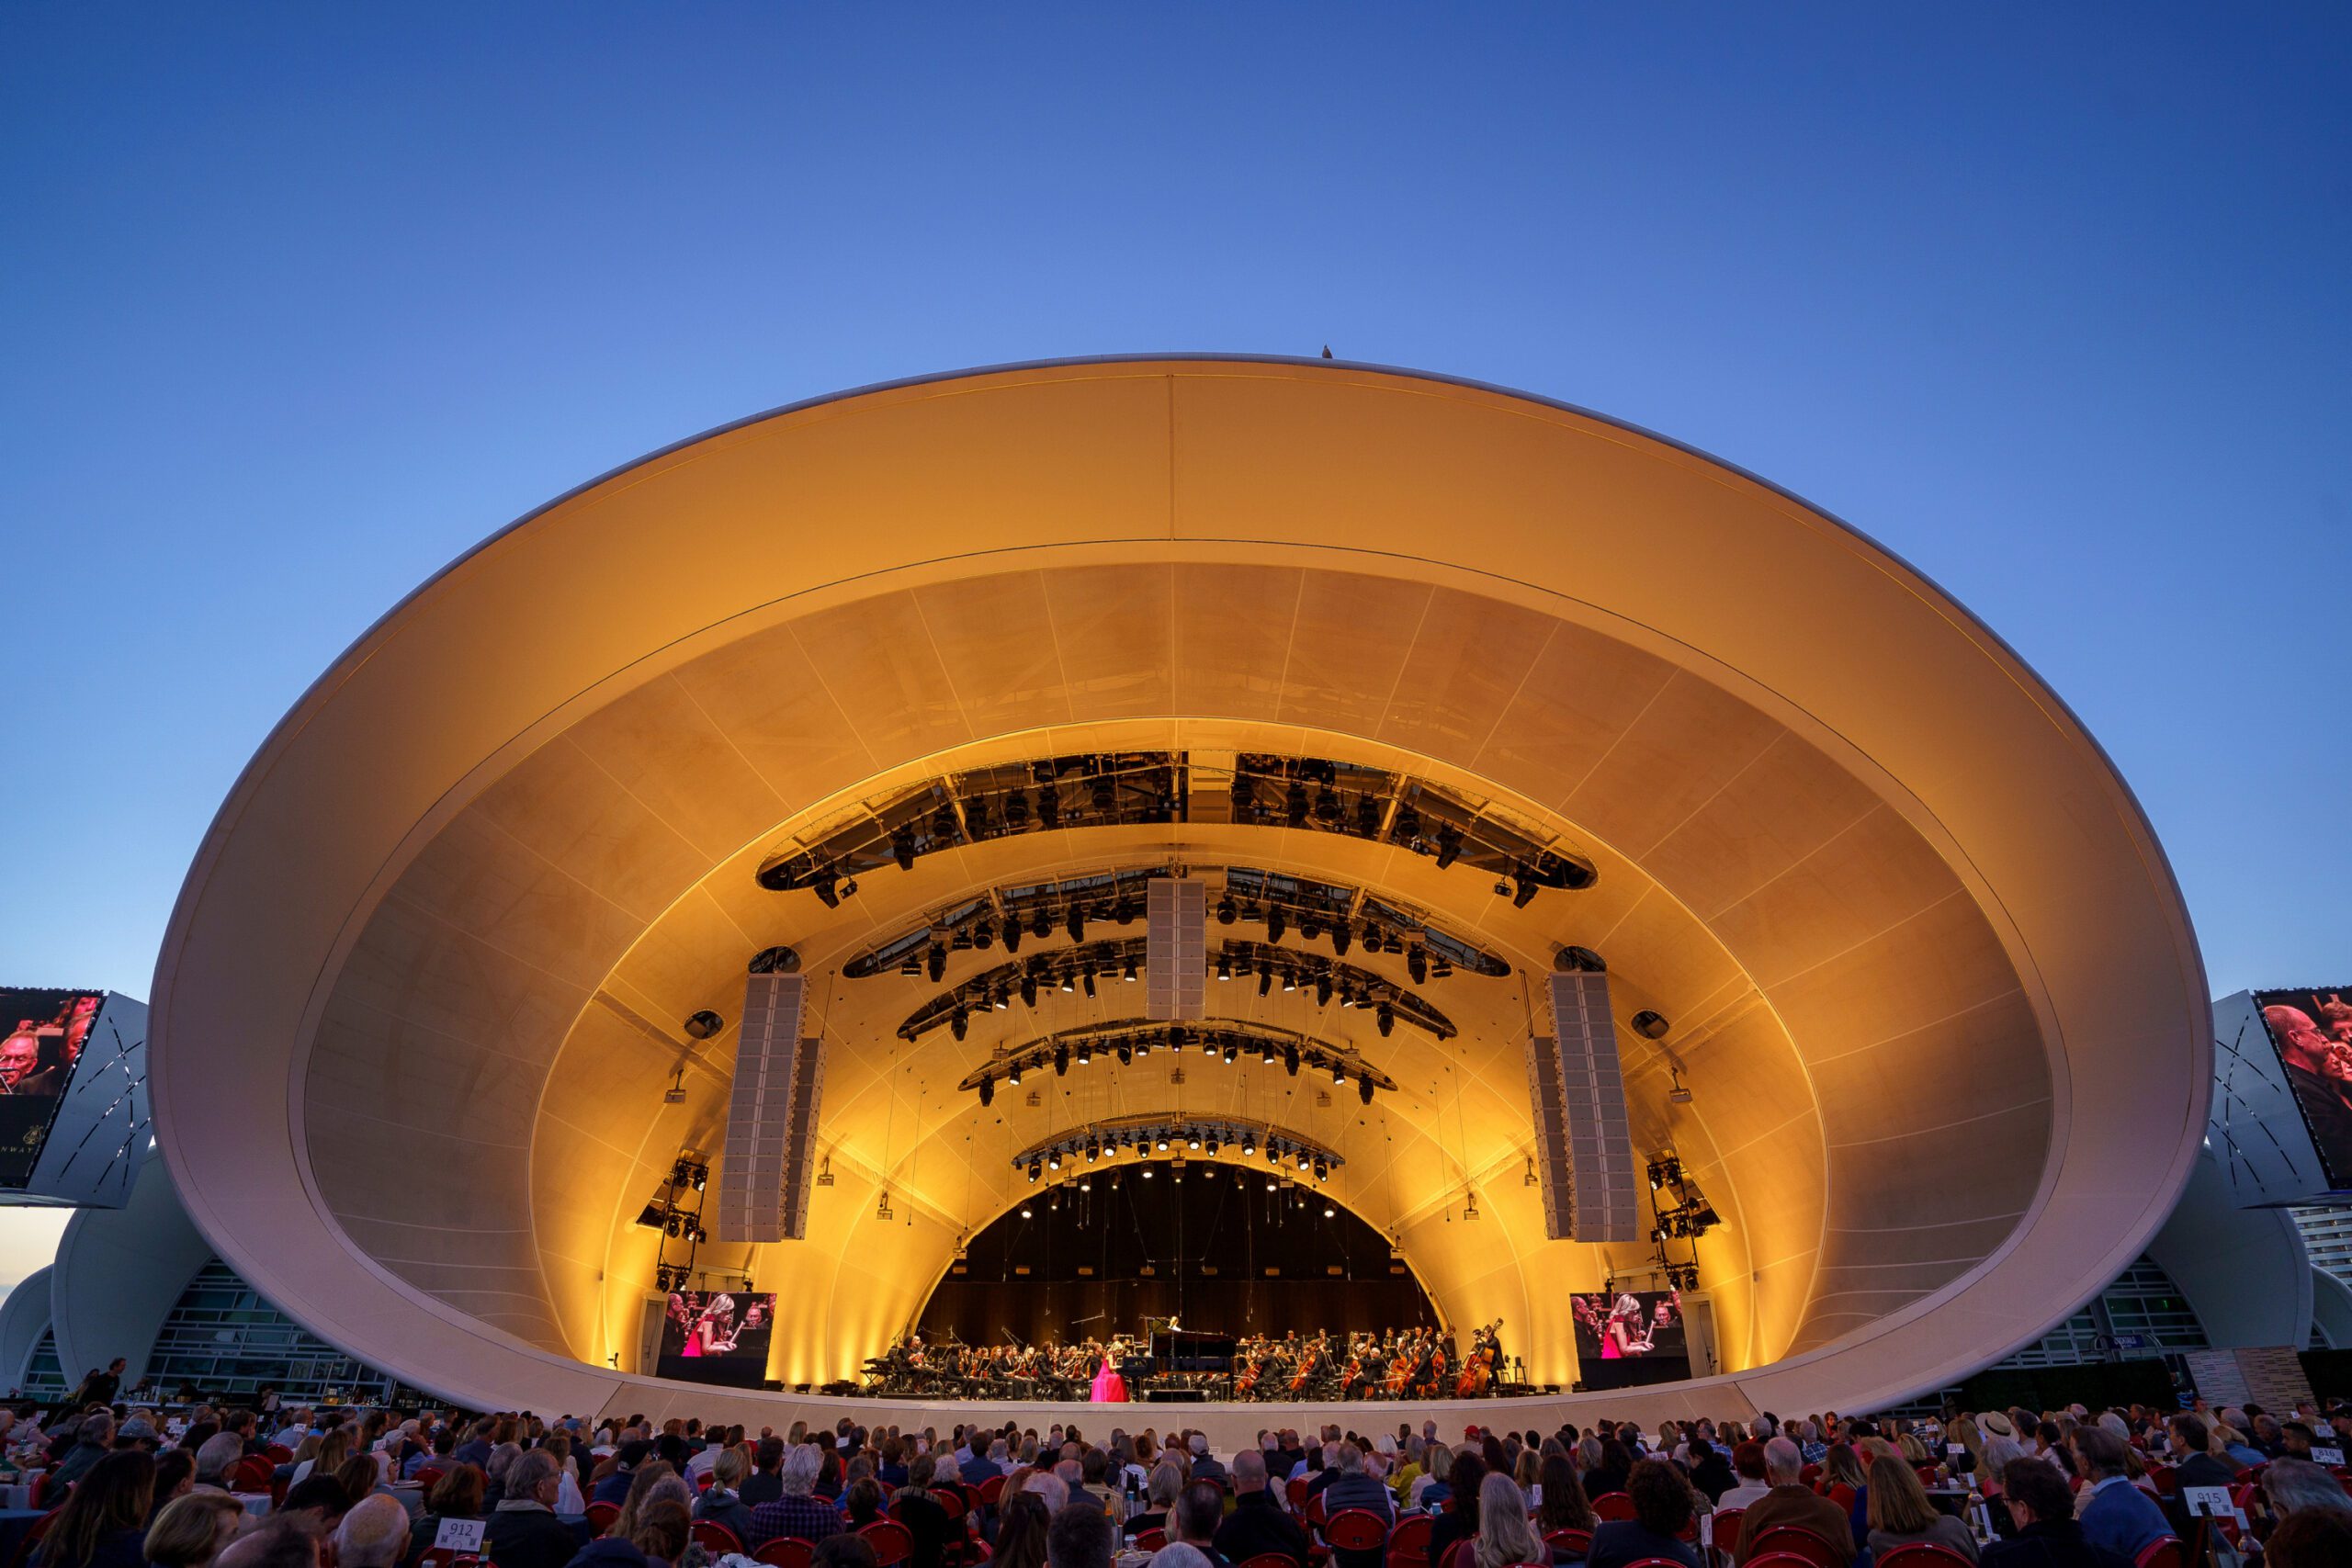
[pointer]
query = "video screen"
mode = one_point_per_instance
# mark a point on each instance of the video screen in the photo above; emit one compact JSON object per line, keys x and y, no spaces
{"x":45,"y":1031}
{"x":1631,"y":1337}
{"x":718,"y":1336}
{"x":2312,"y":1032}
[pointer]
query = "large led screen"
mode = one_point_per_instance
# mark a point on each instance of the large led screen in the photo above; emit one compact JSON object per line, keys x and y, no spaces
{"x":718,"y":1337}
{"x":2313,"y":1033}
{"x":1630,"y":1336}
{"x":45,"y":1033}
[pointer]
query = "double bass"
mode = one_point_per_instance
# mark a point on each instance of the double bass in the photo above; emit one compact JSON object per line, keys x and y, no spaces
{"x":1306,"y":1359}
{"x":1408,"y":1360}
{"x":1478,"y":1367}
{"x":1247,"y":1383}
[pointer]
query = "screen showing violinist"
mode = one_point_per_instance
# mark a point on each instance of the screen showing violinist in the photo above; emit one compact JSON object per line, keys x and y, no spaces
{"x":1630,"y":1336}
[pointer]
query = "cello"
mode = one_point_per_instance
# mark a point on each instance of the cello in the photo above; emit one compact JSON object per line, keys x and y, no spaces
{"x":1306,"y":1358}
{"x":1407,"y":1362}
{"x":1478,"y":1367}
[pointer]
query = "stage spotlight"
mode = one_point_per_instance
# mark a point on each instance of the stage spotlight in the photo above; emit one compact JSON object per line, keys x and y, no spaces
{"x":1328,"y":1212}
{"x":1163,"y":1144}
{"x":1271,"y":1184}
{"x":1277,"y":923}
{"x":1387,"y":1018}
{"x":1407,"y":826}
{"x":827,"y":889}
{"x":1650,"y":1025}
{"x":1232,"y":1051}
{"x":1290,"y":981}
{"x":1342,"y":938}
{"x":1192,"y":1140}
{"x":1094,"y":1151}
{"x":988,"y":1090}
{"x":1323,"y":990}
{"x":1310,"y":927}
{"x":1061,"y":1061}
{"x":1449,"y":845}
{"x":1066,"y":987}
{"x":1124,"y":911}
{"x":1017,"y":810}
{"x":1303,"y":1162}
{"x":1417,"y":965}
{"x":1075,"y":923}
{"x":1265,"y":1052}
{"x":1126,"y":1054}
{"x":1224,"y":967}
{"x":1129,"y":974}
{"x":1013,"y":936}
{"x":984,"y":935}
{"x":1035,"y":1170}
{"x":1273,"y":1152}
{"x":1338,"y":1071}
{"x":1265,"y":981}
{"x":1028,"y":990}
{"x":1026,"y":1211}
{"x":934,"y":963}
{"x":1211,"y":1142}
{"x":1087,"y":980}
{"x":902,"y":847}
{"x":1290,"y":1060}
{"x":1147,"y":1173}
{"x":1049,"y":807}
{"x":1524,"y":889}
{"x":1295,"y":804}
{"x":1012,"y":1074}
{"x":1000,"y":1000}
{"x":1368,"y":816}
{"x":1054,"y":1199}
{"x":958,"y":1023}
{"x":1085,"y":1053}
{"x":1054,"y":1159}
{"x":1363,"y":1088}
{"x":1225,"y":913}
{"x":1105,"y":794}
{"x":1322,"y":1171}
{"x":975,"y":815}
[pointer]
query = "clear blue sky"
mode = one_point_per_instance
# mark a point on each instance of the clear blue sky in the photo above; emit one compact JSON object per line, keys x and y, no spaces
{"x":299,"y":302}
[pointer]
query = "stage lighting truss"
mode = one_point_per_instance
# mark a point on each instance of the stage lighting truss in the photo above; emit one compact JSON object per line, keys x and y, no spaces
{"x":1683,"y":1212}
{"x":1093,"y":966}
{"x":1123,"y":788}
{"x":1045,"y":913}
{"x":1174,"y":1140}
{"x":1130,"y":1040}
{"x":675,"y":1213}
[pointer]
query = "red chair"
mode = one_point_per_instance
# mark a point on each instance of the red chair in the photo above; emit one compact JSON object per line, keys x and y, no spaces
{"x":1352,"y":1530}
{"x":279,"y":1453}
{"x":891,"y":1541}
{"x":784,"y":1551}
{"x":1726,"y":1530}
{"x":1612,"y":1505}
{"x":1462,"y":1555}
{"x":1808,"y":1476}
{"x":1843,"y":1496}
{"x":1297,"y":1492}
{"x":2164,"y":1553}
{"x":2245,"y":1477}
{"x":991,"y":1490}
{"x":1408,"y":1543}
{"x":1314,"y":1513}
{"x":39,"y":1493}
{"x":1923,"y":1554}
{"x":2165,"y":1480}
{"x":1151,"y":1540}
{"x":1778,"y":1560}
{"x":1796,"y":1541}
{"x":430,"y":1476}
{"x":602,"y":1515}
{"x":1266,"y":1560}
{"x":716,"y":1537}
{"x":1578,"y":1542}
{"x":253,"y":1474}
{"x":703,"y":1482}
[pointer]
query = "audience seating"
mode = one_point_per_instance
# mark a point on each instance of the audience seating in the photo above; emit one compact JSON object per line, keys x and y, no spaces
{"x":426,"y":1476}
{"x":1796,"y":1541}
{"x":1726,"y":1527}
{"x":602,"y":1515}
{"x":1151,"y":1540}
{"x":1923,"y":1554}
{"x":1266,"y":1560}
{"x":1353,"y":1529}
{"x":716,"y":1537}
{"x":891,"y":1541}
{"x":1578,"y":1542}
{"x":2164,"y":1553}
{"x":1612,"y":1505}
{"x":1408,"y":1543}
{"x":252,"y":1474}
{"x":991,"y":1490}
{"x":784,"y":1551}
{"x":1297,"y":1492}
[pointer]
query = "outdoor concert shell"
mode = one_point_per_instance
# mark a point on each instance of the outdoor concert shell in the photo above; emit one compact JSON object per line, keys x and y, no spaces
{"x":1930,"y":979}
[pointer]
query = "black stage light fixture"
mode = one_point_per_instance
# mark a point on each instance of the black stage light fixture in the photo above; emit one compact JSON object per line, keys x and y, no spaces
{"x":828,"y":888}
{"x":1017,"y":810}
{"x":1041,"y":921}
{"x":1129,"y":974}
{"x":1363,"y":1088}
{"x":1028,"y":990}
{"x":988,"y":1090}
{"x":1323,"y":990}
{"x":1053,"y":1159}
{"x":1093,"y":1150}
{"x":902,"y":847}
{"x":1105,"y":794}
{"x":1524,"y":888}
{"x":1338,"y":1071}
{"x":1265,"y":981}
{"x":1161,"y":1143}
{"x":1343,"y":937}
{"x":1192,"y":1139}
{"x":1065,"y":987}
{"x":1012,"y":1073}
{"x":1088,"y":981}
{"x":1449,"y":845}
{"x":1327,"y":805}
{"x":1310,"y":926}
{"x":1232,"y":1052}
{"x":1085,"y":1053}
{"x":1417,"y":965}
{"x":1407,"y":825}
{"x":1650,"y":1025}
{"x":1249,"y":1144}
{"x":1387,"y":1018}
{"x":1266,"y":1053}
{"x":1290,"y":980}
{"x":1295,"y":804}
{"x":1276,"y":923}
{"x":1013,"y":936}
{"x":958,"y":1023}
{"x":975,"y":815}
{"x":1224,"y":967}
{"x":1226,"y":911}
{"x":1126,"y":1054}
{"x":1124,"y":911}
{"x":1049,"y":807}
{"x":1211,"y":1145}
{"x":1075,"y":922}
{"x":1290,"y":1060}
{"x":934,"y":963}
{"x":1061,"y":1061}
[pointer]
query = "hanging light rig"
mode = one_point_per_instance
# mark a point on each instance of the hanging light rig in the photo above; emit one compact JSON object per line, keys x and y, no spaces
{"x":676,"y":1214}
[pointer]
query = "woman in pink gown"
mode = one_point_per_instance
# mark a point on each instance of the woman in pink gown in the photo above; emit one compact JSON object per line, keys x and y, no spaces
{"x":1109,"y":1388}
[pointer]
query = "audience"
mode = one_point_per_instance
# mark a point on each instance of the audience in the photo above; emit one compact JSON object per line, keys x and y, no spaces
{"x":797,"y":1511}
{"x":1791,"y":1503}
{"x":1662,"y":1513}
{"x":104,"y":1521}
{"x":2047,"y":1533}
{"x":1901,"y":1514}
{"x":1079,"y":1537}
{"x":194,"y":1529}
{"x":523,"y":1531}
{"x":2114,"y":1514}
{"x":1504,"y":1535}
{"x":1258,"y":1523}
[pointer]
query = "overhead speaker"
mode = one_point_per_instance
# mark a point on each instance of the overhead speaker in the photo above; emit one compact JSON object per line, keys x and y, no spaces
{"x":1176,"y":948}
{"x":1584,"y":1146}
{"x":765,"y":1178}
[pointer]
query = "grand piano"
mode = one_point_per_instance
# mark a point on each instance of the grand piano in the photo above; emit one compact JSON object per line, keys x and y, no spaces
{"x":1186,"y":1358}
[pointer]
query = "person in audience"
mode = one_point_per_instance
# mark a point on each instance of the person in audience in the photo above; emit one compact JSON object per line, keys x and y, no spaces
{"x":1198,"y":1515}
{"x":848,"y":1551}
{"x":1564,"y":1506}
{"x":1466,"y":1483}
{"x":2114,"y":1514}
{"x":456,"y":1496}
{"x":1159,"y":1495}
{"x":2296,"y":1485}
{"x":1748,"y":1468}
{"x":319,"y":1497}
{"x":1504,"y":1536}
{"x":663,"y":1528}
{"x":2319,"y":1538}
{"x":333,"y":1447}
{"x":797,"y":1511}
{"x":723,"y":1501}
{"x":92,"y":1443}
{"x":1204,"y":1464}
{"x":1020,"y":1532}
{"x":613,"y":1487}
{"x":862,"y":1504}
{"x":1079,"y":1537}
{"x":475,"y":1449}
{"x":1434,"y":1486}
{"x":1258,"y":1523}
{"x":641,"y":1490}
{"x":193,"y":1529}
{"x":2189,"y":1441}
{"x":1711,"y":1472}
{"x":174,"y":1478}
{"x":1353,"y":1486}
{"x":217,"y":1460}
{"x":360,"y":1477}
{"x":285,"y":1540}
{"x":1790,"y":1502}
{"x":1901,"y":1514}
{"x":374,"y":1534}
{"x":2041,"y":1513}
{"x":1662,"y":1512}
{"x":1607,"y":1462}
{"x":104,"y":1520}
{"x":523,"y":1531}
{"x":763,"y":1485}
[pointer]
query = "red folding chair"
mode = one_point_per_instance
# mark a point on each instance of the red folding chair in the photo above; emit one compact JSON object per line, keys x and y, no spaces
{"x":279,"y":1453}
{"x":891,"y":1541}
{"x":1612,"y":1505}
{"x":1408,"y":1543}
{"x":430,"y":1476}
{"x":1297,"y":1492}
{"x":716,"y":1537}
{"x":1151,"y":1540}
{"x":1843,"y":1496}
{"x":1352,"y":1530}
{"x":1578,"y":1542}
{"x":784,"y":1551}
{"x":991,"y":1490}
{"x":1314,"y":1513}
{"x":1795,"y":1540}
{"x":1923,"y":1554}
{"x":1726,"y":1530}
{"x":2162,"y":1553}
{"x":1778,"y":1560}
{"x":602,"y":1515}
{"x":1463,"y":1555}
{"x":703,"y":1482}
{"x":253,"y":1474}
